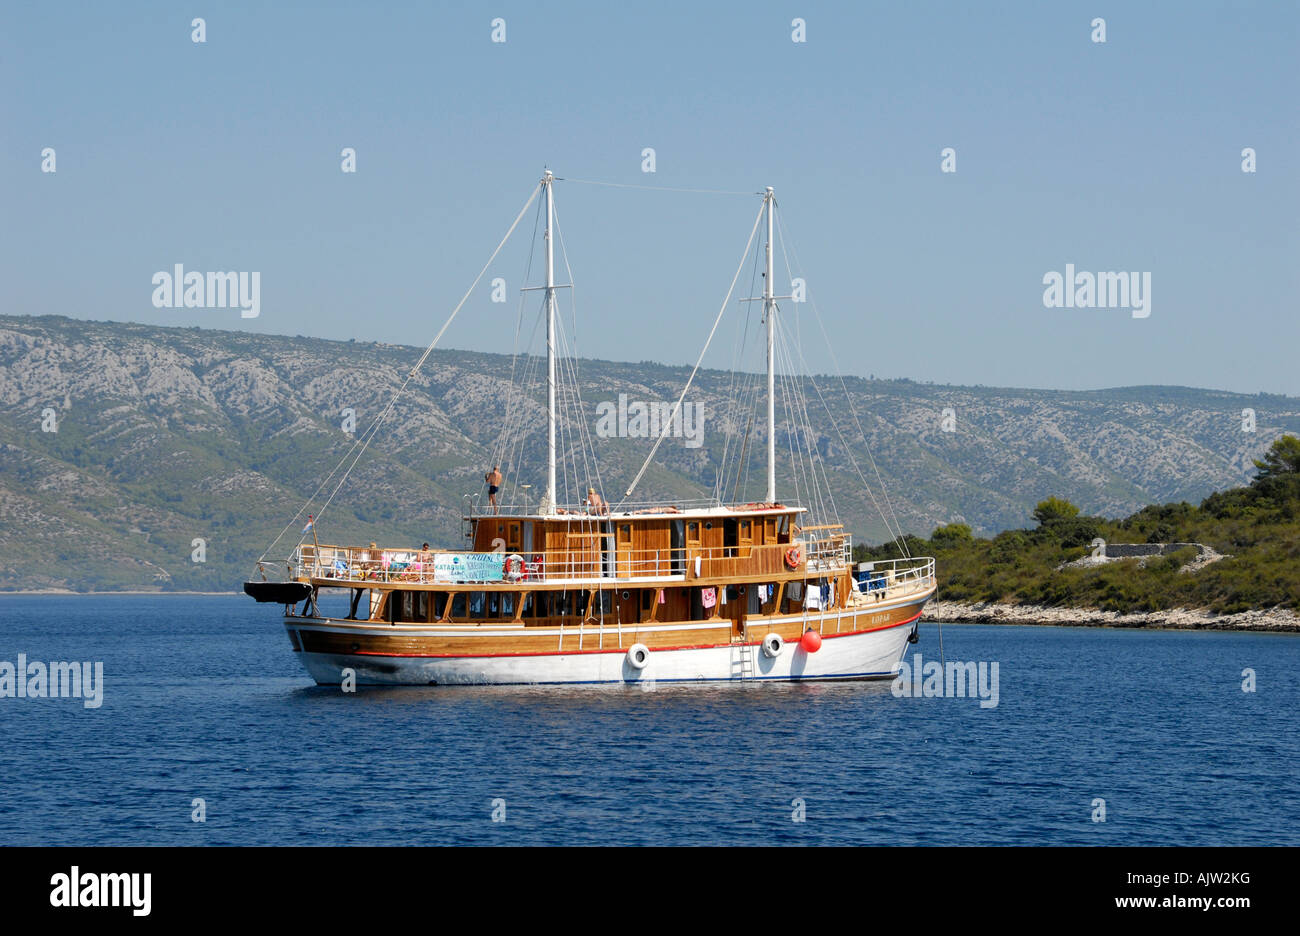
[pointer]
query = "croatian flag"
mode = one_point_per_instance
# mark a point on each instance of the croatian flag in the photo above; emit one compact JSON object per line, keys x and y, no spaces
{"x":311,"y":522}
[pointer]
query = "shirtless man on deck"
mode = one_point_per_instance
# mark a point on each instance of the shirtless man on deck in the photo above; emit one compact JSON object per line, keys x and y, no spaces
{"x":494,"y":479}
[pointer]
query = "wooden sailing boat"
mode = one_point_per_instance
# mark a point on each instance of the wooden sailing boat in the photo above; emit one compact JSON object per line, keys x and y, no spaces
{"x":586,"y":593}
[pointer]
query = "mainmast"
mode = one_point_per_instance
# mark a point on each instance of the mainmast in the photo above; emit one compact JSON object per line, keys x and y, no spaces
{"x":769,"y":311}
{"x":548,"y":501}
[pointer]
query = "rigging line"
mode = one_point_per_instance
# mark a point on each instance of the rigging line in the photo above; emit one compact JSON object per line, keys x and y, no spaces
{"x":514,"y":429}
{"x":298,"y":516}
{"x":856,"y":468}
{"x":815,"y":457}
{"x":798,"y":418}
{"x":499,"y":451}
{"x":518,"y":395}
{"x":655,"y":188}
{"x":897,"y":531}
{"x":677,"y":409}
{"x":427,"y":351}
{"x":737,"y":391}
{"x":584,"y":429}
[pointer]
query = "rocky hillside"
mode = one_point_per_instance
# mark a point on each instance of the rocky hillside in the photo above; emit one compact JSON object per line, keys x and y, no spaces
{"x":175,"y":445}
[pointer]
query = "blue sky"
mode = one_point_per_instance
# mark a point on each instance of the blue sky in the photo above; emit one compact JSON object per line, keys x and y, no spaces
{"x":1117,"y":156}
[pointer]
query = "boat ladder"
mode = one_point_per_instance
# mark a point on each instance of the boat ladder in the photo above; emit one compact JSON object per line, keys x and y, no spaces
{"x":742,"y":660}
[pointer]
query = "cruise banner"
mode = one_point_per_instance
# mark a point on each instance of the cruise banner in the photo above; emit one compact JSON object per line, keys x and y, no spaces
{"x":468,"y":567}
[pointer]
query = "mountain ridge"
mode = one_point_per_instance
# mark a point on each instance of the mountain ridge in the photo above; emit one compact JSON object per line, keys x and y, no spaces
{"x":171,"y":435}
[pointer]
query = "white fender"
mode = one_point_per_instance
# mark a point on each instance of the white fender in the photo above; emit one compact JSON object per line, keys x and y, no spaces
{"x":772,"y":644}
{"x":638,"y":655}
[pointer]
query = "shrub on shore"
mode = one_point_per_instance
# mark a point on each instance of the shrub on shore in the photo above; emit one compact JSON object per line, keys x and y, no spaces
{"x":1256,"y":527}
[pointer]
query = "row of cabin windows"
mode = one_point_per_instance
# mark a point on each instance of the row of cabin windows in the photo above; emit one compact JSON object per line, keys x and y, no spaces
{"x":425,"y":606}
{"x":415,"y":606}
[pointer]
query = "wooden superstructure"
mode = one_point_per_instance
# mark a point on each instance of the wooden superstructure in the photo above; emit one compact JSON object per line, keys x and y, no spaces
{"x":573,"y":580}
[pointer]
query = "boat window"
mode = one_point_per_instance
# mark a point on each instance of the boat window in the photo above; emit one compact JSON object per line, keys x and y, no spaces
{"x":439,"y":604}
{"x":607,"y":602}
{"x":508,"y":605}
{"x":493,"y":604}
{"x":477,"y":602}
{"x":458,"y":606}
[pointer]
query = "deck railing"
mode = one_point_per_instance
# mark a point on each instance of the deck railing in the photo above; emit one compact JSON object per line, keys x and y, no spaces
{"x":601,"y":561}
{"x":476,"y":506}
{"x":888,"y":576}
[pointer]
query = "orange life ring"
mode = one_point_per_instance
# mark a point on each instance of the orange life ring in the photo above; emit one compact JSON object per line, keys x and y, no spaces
{"x":513,"y":567}
{"x":794,"y":556}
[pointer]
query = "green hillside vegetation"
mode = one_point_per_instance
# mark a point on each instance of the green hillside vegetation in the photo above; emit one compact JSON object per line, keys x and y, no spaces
{"x":1256,"y":527}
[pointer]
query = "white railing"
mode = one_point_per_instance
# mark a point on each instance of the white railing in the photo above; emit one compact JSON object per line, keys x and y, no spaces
{"x":885,"y":576}
{"x":476,"y":506}
{"x":598,"y":562}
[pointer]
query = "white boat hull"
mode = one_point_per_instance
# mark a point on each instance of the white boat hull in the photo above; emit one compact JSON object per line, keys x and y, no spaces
{"x":864,"y":655}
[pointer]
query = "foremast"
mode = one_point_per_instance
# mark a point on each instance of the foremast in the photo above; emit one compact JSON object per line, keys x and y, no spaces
{"x":548,"y":501}
{"x":769,"y":313}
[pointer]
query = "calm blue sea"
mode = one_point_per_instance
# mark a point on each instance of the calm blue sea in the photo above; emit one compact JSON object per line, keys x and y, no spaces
{"x":203,"y":698}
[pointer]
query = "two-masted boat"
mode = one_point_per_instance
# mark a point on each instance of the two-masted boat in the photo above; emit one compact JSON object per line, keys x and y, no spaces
{"x":590,"y":593}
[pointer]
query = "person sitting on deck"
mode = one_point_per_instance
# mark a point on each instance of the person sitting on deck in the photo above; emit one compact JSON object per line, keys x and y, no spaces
{"x":595,"y":503}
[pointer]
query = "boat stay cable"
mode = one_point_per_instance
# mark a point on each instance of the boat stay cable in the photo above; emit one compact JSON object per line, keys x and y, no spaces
{"x":677,"y":408}
{"x":896,"y":529}
{"x":654,"y":188}
{"x":363,"y":442}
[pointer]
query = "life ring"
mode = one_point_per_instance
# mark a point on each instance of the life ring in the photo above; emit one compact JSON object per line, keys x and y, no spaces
{"x":772,"y":644}
{"x":638,"y":655}
{"x":514,"y":567}
{"x":794,"y":556}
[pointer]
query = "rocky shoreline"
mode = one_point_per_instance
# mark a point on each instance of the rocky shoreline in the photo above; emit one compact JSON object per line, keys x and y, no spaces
{"x":959,"y":612}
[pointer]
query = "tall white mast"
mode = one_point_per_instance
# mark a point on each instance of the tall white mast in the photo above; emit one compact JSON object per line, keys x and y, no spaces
{"x":769,"y":310}
{"x":548,"y":502}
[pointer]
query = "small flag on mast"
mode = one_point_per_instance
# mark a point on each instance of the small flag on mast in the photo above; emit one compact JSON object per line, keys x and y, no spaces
{"x":311,"y":522}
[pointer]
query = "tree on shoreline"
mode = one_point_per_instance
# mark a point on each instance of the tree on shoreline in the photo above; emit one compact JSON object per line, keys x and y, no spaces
{"x":1282,"y":458}
{"x":1053,"y":509}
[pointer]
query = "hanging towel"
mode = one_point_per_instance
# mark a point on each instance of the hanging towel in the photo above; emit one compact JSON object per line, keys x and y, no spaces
{"x":708,"y":597}
{"x":662,"y":599}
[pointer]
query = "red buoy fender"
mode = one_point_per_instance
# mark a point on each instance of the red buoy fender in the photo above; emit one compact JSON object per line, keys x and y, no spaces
{"x":811,"y":641}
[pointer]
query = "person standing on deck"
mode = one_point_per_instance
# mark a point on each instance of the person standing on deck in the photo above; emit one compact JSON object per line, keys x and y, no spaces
{"x":494,"y":479}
